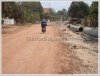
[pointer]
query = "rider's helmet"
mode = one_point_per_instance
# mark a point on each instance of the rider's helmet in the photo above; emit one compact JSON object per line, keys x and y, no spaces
{"x":43,"y":20}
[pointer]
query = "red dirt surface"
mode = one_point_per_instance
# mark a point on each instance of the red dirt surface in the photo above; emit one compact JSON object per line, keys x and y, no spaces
{"x":24,"y":55}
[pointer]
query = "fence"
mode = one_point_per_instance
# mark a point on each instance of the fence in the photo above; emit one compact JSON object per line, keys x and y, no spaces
{"x":8,"y":21}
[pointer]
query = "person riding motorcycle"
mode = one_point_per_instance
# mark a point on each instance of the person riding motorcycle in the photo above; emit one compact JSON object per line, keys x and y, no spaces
{"x":43,"y":25}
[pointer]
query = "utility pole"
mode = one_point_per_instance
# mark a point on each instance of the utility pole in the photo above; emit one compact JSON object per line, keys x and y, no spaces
{"x":49,"y":12}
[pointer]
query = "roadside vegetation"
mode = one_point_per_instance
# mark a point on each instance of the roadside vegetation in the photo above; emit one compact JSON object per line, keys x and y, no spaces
{"x":32,"y":12}
{"x":81,"y":10}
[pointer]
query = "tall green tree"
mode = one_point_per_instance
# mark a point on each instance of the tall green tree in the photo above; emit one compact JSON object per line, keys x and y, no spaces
{"x":94,"y":10}
{"x":78,"y":10}
{"x":22,"y":11}
{"x":94,"y":14}
{"x":62,"y":14}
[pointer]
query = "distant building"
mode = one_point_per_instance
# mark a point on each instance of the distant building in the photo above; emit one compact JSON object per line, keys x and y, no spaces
{"x":46,"y":10}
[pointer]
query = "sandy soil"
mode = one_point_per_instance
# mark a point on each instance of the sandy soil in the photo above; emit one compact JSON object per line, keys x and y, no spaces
{"x":27,"y":51}
{"x":85,"y":49}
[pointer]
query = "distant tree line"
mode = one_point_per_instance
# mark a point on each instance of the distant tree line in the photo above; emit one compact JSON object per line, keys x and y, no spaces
{"x":30,"y":12}
{"x":56,"y":16}
{"x":81,"y":10}
{"x":22,"y":12}
{"x":62,"y":14}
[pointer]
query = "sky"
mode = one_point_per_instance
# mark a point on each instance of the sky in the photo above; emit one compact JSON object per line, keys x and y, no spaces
{"x":58,"y":5}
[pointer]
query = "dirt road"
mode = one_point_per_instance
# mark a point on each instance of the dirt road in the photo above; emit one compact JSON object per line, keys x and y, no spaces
{"x":21,"y":55}
{"x":26,"y":52}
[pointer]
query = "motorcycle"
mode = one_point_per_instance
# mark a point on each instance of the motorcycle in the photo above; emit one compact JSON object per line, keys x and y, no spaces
{"x":43,"y":29}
